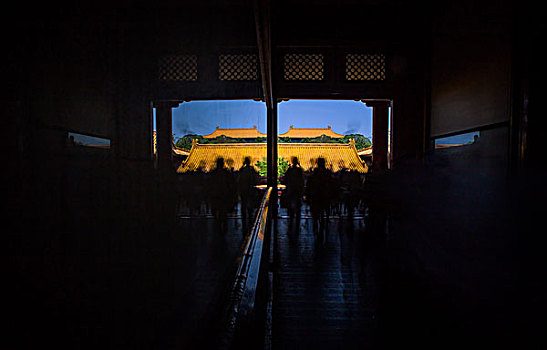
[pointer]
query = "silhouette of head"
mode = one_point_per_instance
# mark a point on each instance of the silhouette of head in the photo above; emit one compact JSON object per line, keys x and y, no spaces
{"x":295,"y":161}
{"x":247,"y":161}
{"x":220,"y":163}
{"x":202,"y":165}
{"x":321,"y":162}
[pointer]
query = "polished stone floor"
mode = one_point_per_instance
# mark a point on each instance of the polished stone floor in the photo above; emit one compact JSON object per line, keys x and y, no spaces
{"x":210,"y":262}
{"x":326,"y":290}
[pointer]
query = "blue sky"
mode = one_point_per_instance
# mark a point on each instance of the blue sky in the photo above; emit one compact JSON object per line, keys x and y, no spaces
{"x":87,"y":140}
{"x":457,"y":139}
{"x":344,"y":116}
{"x":202,"y":117}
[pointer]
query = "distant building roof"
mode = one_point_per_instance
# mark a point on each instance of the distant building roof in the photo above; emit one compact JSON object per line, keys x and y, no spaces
{"x":301,"y":133}
{"x":251,"y":133}
{"x":365,"y":151}
{"x":180,"y":152}
{"x":450,"y":145}
{"x":336,"y":155}
{"x":241,"y":133}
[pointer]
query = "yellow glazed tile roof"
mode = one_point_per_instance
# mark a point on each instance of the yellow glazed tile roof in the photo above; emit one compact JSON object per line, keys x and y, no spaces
{"x":244,"y":133}
{"x":448,"y":146}
{"x":365,"y":151}
{"x":180,"y":151}
{"x":310,"y":132}
{"x":336,"y":155}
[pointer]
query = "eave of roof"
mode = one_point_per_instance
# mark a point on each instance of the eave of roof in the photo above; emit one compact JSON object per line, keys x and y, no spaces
{"x":180,"y":151}
{"x":449,"y":145}
{"x":365,"y":151}
{"x":310,"y":132}
{"x":243,"y":133}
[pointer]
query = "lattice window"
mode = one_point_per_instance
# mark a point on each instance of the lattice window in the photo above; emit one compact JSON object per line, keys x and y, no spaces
{"x":238,"y":67}
{"x":303,"y":67}
{"x":182,"y":67}
{"x":365,"y":67}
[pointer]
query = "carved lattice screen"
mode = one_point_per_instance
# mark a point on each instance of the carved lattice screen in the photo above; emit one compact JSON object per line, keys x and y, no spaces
{"x":303,"y":67}
{"x":365,"y":67}
{"x":238,"y":67}
{"x":180,"y":68}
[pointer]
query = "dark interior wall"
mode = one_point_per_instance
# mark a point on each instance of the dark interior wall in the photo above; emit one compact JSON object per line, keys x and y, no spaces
{"x":409,"y":106}
{"x":80,"y":70}
{"x":135,"y":68}
{"x":471,"y":65}
{"x":455,"y":228}
{"x":455,"y":218}
{"x":529,"y":89}
{"x":531,"y":162}
{"x":465,"y":225}
{"x":85,"y":238}
{"x":60,"y":78}
{"x":71,"y":64}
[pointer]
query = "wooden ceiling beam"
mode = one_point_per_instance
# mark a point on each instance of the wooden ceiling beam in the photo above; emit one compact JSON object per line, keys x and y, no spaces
{"x":264,"y":43}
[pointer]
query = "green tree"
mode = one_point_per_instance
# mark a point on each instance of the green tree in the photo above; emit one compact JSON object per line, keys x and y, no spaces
{"x":185,"y":142}
{"x":262,"y":166}
{"x":225,"y":139}
{"x":361,"y":141}
{"x":282,"y":166}
{"x":284,"y":140}
{"x":321,"y":139}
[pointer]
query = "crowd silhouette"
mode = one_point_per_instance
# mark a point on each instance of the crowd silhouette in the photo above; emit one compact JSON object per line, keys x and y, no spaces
{"x":225,"y":192}
{"x":220,"y":192}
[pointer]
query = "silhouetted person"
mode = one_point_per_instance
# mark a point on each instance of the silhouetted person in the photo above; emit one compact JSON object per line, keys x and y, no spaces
{"x":294,"y":178}
{"x":230,"y":164}
{"x":247,"y":180}
{"x":185,"y":190}
{"x":375,"y":199}
{"x":339,"y":197}
{"x":220,"y":193}
{"x":193,"y":191}
{"x":319,"y":194}
{"x":233,"y":185}
{"x":350,"y":186}
{"x":201,"y":187}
